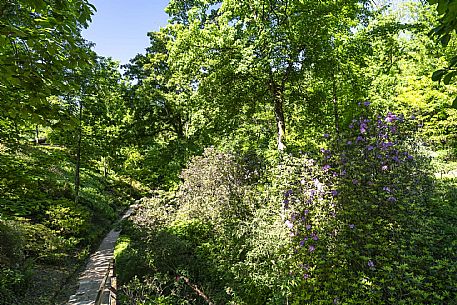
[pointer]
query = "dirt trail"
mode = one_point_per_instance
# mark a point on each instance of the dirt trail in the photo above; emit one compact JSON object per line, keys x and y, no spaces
{"x":97,"y":268}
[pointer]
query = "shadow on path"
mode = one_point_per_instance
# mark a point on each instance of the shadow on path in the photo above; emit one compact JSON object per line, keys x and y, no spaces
{"x":93,"y":278}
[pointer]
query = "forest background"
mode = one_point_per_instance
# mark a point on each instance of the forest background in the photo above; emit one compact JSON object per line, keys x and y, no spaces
{"x":285,"y":152}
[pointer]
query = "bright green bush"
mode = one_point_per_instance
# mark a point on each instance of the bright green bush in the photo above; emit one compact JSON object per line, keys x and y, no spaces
{"x":68,"y":219}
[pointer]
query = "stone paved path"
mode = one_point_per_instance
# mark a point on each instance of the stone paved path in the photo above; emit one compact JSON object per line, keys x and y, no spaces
{"x":97,"y":268}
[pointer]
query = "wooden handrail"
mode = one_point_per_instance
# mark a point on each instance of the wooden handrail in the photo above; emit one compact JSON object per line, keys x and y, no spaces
{"x":101,"y":289}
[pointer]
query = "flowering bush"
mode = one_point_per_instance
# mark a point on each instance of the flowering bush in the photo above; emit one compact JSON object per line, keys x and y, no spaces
{"x":213,"y":188}
{"x":355,"y":218}
{"x":356,"y":223}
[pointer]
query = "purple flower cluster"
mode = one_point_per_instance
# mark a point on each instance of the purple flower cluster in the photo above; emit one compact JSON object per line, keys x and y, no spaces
{"x":390,"y":118}
{"x":357,"y":179}
{"x":372,"y":147}
{"x":364,"y":126}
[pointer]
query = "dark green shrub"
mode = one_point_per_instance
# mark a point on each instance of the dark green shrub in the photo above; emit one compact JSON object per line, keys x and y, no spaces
{"x":12,"y":243}
{"x":15,"y":270}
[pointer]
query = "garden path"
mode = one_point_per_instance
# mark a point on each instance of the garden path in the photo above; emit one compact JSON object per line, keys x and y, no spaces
{"x":97,"y":272}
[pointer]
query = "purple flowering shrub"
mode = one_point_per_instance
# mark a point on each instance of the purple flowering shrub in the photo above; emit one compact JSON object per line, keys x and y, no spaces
{"x":308,"y":217}
{"x":358,"y":219}
{"x":384,"y":184}
{"x":380,"y":170}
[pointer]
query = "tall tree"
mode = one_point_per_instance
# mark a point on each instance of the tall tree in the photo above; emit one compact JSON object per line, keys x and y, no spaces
{"x":266,"y":46}
{"x":161,"y":109}
{"x":159,"y":106}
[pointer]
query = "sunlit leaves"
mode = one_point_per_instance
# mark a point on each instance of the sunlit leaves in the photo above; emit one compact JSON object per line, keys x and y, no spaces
{"x":41,"y":45}
{"x":447,"y":11}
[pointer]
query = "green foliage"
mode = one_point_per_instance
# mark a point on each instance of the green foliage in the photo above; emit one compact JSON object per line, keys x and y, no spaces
{"x":12,"y":243}
{"x":40,"y":47}
{"x":251,"y":221}
{"x":402,"y":61}
{"x":43,"y":231}
{"x":447,"y":13}
{"x":213,"y":188}
{"x":190,"y":232}
{"x":252,"y":60}
{"x":358,"y":223}
{"x":67,"y":219}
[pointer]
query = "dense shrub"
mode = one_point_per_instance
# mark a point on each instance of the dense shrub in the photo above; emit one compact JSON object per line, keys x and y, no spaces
{"x":213,"y":188}
{"x":12,"y":242}
{"x":14,"y":273}
{"x":191,"y":239}
{"x":359,"y":222}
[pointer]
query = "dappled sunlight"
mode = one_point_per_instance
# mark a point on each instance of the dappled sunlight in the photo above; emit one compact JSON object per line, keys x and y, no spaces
{"x":252,"y":153}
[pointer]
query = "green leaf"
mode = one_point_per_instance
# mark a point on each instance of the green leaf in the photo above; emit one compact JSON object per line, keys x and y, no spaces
{"x":445,"y":40}
{"x":448,"y":77}
{"x":454,"y":103}
{"x":453,"y":62}
{"x":438,"y":74}
{"x":38,"y":5}
{"x":442,"y":6}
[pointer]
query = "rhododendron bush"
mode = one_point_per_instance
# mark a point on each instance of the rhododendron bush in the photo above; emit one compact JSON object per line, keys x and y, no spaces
{"x":355,"y":213}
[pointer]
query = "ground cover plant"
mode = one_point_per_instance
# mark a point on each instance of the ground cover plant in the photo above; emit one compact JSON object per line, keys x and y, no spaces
{"x":45,"y":235}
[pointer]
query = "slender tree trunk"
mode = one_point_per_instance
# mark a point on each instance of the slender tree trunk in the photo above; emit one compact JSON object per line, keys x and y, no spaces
{"x":179,"y":127}
{"x":104,"y":161}
{"x":37,"y":133}
{"x":280,"y":122}
{"x":78,"y":154}
{"x":335,"y":105}
{"x":279,"y":114}
{"x":16,"y":128}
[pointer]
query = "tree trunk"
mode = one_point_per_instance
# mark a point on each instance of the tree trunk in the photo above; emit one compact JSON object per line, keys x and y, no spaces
{"x":279,"y":115}
{"x":179,"y":127}
{"x":37,"y":133}
{"x":280,"y":123}
{"x":105,"y":167}
{"x":78,"y":154}
{"x":335,"y":106}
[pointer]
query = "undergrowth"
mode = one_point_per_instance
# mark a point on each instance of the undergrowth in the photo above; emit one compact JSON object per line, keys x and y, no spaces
{"x":44,"y":235}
